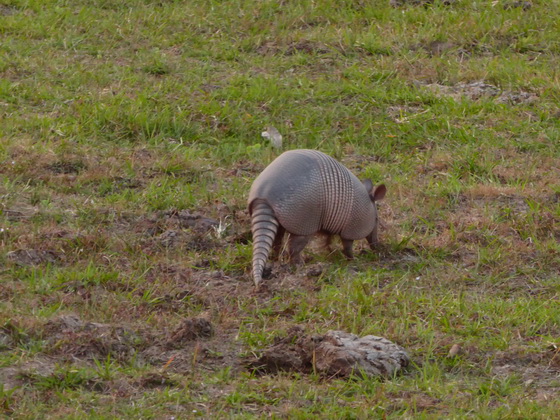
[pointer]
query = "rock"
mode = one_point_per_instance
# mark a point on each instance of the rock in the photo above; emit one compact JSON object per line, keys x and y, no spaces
{"x":274,"y":136}
{"x":514,"y":98}
{"x":454,"y":350}
{"x":336,"y":353}
{"x":343,"y":354}
{"x":480,"y":89}
{"x":475,"y":90}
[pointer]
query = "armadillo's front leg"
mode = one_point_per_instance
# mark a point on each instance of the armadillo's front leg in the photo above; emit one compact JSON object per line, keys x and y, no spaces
{"x":372,"y":238}
{"x":347,"y":248}
{"x":296,"y":244}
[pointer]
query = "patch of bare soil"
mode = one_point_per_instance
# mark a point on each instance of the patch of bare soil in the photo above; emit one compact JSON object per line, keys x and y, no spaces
{"x":307,"y":47}
{"x":173,"y":220}
{"x":541,"y":370}
{"x":194,"y":342}
{"x":185,"y":219}
{"x":7,"y":10}
{"x":156,"y":380}
{"x":33,"y":256}
{"x":477,"y":90}
{"x":302,"y":46}
{"x":119,"y":184}
{"x":16,"y":376}
{"x":67,"y":167}
{"x":505,"y":197}
{"x":516,"y":98}
{"x":70,"y":337}
{"x":70,"y":340}
{"x":525,"y":5}
{"x":172,"y":233}
{"x":401,"y":3}
{"x":19,"y":214}
{"x":334,"y":354}
{"x":201,"y":285}
{"x":435,"y":48}
{"x":52,"y":245}
{"x":175,"y":229}
{"x":241,"y":168}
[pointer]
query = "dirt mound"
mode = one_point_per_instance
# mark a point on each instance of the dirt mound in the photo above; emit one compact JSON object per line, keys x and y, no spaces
{"x":189,"y":330}
{"x":335,"y":353}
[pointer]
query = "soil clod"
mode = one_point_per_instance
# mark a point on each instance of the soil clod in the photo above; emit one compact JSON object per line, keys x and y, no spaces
{"x":189,"y":330}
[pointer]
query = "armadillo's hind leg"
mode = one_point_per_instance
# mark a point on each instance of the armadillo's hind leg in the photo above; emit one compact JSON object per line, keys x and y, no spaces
{"x":347,"y":248}
{"x":296,"y":244}
{"x":277,"y":244}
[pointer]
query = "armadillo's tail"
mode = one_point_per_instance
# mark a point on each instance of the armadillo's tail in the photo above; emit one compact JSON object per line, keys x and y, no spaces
{"x":264,"y":226}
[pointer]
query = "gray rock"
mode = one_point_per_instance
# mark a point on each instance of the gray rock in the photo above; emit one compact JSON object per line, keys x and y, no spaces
{"x":342,"y":354}
{"x":334,"y":354}
{"x":274,"y":136}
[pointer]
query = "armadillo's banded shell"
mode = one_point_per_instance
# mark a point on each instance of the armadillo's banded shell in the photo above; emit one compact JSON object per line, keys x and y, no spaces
{"x":310,"y":192}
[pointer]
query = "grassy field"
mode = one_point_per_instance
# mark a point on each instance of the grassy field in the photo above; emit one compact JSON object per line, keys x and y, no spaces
{"x":125,"y":124}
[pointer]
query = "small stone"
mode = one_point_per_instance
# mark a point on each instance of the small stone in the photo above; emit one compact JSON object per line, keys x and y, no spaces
{"x":274,"y":136}
{"x":454,"y":350}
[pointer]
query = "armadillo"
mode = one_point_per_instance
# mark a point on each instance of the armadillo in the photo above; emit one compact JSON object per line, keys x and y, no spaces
{"x":304,"y":192}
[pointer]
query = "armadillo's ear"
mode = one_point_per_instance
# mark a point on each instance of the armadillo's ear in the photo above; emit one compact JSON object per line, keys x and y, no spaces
{"x":368,"y":184}
{"x":379,"y":193}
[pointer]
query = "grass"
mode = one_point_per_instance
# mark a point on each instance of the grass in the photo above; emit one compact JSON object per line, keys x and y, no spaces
{"x":116,"y":116}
